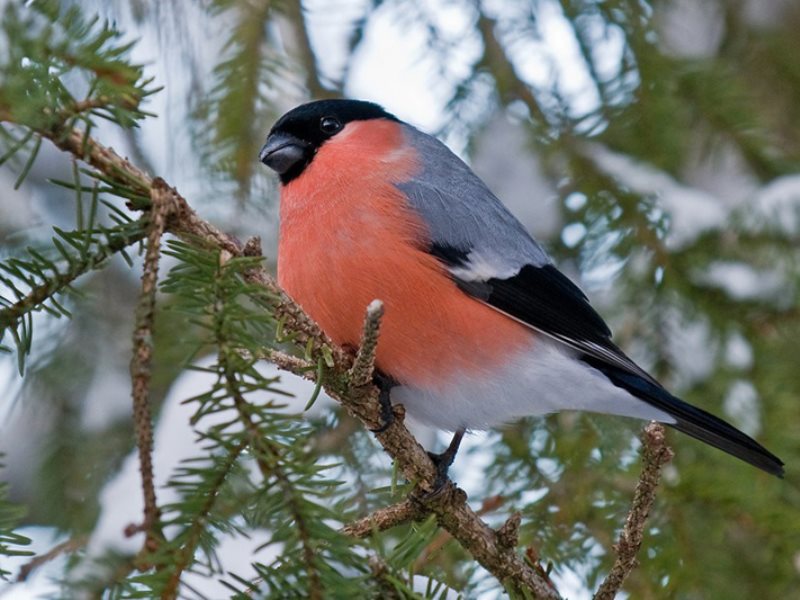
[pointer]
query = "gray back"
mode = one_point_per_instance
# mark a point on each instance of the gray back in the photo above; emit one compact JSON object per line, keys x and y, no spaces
{"x":464,"y":214}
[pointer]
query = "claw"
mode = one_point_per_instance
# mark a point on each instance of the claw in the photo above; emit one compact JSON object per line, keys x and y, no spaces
{"x":443,"y":460}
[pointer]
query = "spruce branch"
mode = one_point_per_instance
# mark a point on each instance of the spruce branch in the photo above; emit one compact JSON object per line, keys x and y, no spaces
{"x":12,"y":543}
{"x":185,"y":553}
{"x":655,"y":454}
{"x":448,"y":503}
{"x":268,"y":459}
{"x":142,"y":357}
{"x":117,"y":241}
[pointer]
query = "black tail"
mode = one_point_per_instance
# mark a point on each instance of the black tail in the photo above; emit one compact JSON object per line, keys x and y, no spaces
{"x":694,"y":421}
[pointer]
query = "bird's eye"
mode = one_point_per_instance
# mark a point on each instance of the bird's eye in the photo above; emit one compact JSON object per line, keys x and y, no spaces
{"x":329,"y":125}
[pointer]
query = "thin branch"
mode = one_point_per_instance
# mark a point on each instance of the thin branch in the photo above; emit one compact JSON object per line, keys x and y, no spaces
{"x":655,"y":454}
{"x":66,"y":547}
{"x":104,"y":159}
{"x":141,"y":362}
{"x":508,"y":534}
{"x":266,"y":455}
{"x":187,"y":550}
{"x":36,"y":296}
{"x":286,"y":362}
{"x":489,"y":505}
{"x":385,"y":518}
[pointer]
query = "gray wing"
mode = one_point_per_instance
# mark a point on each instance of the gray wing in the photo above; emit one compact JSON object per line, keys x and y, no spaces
{"x":465,"y":216}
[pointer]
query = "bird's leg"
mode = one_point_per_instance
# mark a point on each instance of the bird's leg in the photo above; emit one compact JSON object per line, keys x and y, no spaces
{"x":385,"y":385}
{"x":445,"y":459}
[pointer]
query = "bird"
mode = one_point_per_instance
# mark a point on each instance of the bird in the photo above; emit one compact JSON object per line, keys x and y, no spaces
{"x":480,"y":327}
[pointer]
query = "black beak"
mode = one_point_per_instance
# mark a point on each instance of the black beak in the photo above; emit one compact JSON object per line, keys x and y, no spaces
{"x":282,"y":151}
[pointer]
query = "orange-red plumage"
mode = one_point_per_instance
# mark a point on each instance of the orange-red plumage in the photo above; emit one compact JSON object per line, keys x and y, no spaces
{"x":349,"y":237}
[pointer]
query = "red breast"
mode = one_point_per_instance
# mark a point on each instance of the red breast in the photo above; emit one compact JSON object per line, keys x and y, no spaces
{"x":348,"y":236}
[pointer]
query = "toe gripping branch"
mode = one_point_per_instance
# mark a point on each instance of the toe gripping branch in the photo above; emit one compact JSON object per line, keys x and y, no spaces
{"x":443,"y":460}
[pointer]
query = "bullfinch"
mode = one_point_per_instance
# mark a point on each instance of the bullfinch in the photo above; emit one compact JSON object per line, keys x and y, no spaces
{"x":480,"y":327}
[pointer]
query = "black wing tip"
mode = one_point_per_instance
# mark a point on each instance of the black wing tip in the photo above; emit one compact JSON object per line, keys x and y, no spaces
{"x":718,"y":433}
{"x":694,"y":421}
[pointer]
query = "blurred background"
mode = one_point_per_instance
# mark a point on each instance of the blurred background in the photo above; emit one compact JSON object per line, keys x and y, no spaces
{"x":652,"y":146}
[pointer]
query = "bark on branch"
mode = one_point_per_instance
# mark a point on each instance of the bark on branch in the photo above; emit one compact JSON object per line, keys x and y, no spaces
{"x":141,"y":361}
{"x":655,"y":454}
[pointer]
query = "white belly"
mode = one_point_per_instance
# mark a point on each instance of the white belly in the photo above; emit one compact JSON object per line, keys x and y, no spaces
{"x":545,"y":378}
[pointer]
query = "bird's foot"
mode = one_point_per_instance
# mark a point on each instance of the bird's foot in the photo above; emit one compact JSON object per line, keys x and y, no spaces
{"x":442,"y":462}
{"x":385,"y":385}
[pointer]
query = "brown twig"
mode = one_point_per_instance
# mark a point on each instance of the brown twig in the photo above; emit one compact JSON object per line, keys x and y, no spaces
{"x":385,"y":518}
{"x":364,"y":363}
{"x":70,"y":545}
{"x":141,"y":362}
{"x":286,"y":362}
{"x":655,"y":454}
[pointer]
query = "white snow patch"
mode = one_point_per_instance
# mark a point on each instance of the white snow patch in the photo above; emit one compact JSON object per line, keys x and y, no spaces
{"x":235,"y":554}
{"x":690,"y":28}
{"x":421,"y":583}
{"x":738,"y":352}
{"x":744,"y":282}
{"x":691,"y":211}
{"x":572,"y":234}
{"x":778,"y":204}
{"x":741,"y":405}
{"x":692,"y":349}
{"x":42,"y":582}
